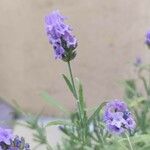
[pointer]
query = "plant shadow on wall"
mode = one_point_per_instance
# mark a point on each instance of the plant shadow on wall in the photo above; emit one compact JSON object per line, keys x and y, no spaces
{"x":113,"y":125}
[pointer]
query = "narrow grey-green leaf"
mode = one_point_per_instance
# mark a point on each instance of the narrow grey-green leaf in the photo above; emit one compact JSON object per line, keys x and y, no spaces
{"x":96,"y":112}
{"x":59,"y":122}
{"x":69,"y":84}
{"x":81,"y":98}
{"x":53,"y":102}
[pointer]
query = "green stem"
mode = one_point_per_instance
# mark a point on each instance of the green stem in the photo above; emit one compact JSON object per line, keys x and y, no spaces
{"x":74,"y":89}
{"x":130,"y":144}
{"x":72,"y":80}
{"x":76,"y":97}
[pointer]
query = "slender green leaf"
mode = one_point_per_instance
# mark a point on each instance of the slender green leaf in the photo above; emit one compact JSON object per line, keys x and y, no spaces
{"x":69,"y":84}
{"x":59,"y":122}
{"x":53,"y":102}
{"x":145,"y":84}
{"x":17,"y":107}
{"x":81,"y":98}
{"x":136,"y":101}
{"x":137,"y":138}
{"x":96,"y":112}
{"x":130,"y":88}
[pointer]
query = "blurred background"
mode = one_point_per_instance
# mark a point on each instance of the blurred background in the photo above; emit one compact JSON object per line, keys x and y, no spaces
{"x":110,"y":35}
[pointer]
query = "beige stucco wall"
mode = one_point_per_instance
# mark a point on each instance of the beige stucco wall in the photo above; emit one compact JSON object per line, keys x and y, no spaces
{"x":110,"y":34}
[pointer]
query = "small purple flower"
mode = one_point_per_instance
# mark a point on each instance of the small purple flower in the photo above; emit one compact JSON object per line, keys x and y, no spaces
{"x":19,"y":144}
{"x":117,"y":117}
{"x":59,"y":34}
{"x":130,"y":123}
{"x":147,"y":40}
{"x":6,"y":135}
{"x":138,"y":61}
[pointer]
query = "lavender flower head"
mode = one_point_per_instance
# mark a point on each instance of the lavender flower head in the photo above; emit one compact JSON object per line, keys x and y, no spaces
{"x":117,"y":117}
{"x":19,"y":144}
{"x":147,"y":40}
{"x":60,"y":35}
{"x":9,"y":142}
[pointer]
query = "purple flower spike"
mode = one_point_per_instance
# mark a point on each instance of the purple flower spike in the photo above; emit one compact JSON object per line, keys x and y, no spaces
{"x":10,"y":142}
{"x":147,"y":40}
{"x":6,"y":135}
{"x":59,"y":34}
{"x":117,"y":117}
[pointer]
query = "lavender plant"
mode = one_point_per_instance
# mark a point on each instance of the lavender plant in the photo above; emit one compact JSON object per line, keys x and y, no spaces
{"x":95,"y":131}
{"x":113,"y":125}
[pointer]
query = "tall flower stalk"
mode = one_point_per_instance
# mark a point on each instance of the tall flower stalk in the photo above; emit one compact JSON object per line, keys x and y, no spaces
{"x":72,"y":80}
{"x":79,"y":107}
{"x":64,"y":44}
{"x":74,"y":88}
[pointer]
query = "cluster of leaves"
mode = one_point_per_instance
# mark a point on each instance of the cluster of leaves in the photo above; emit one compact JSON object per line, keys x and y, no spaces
{"x":137,"y":95}
{"x":86,"y":130}
{"x":33,"y":123}
{"x":81,"y":131}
